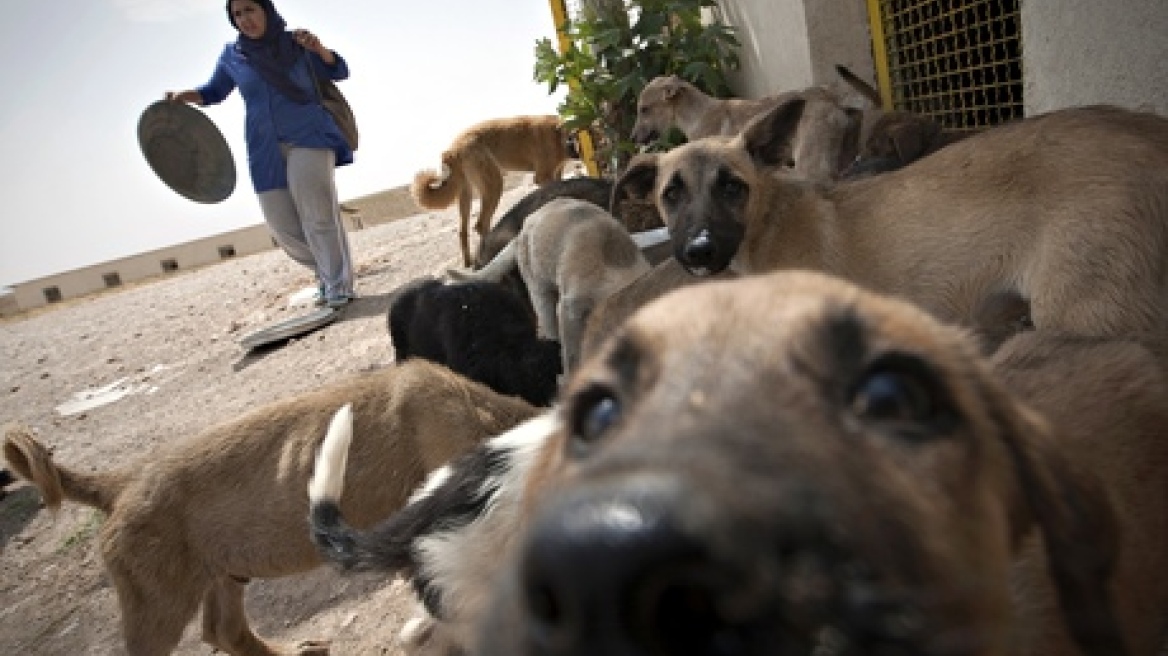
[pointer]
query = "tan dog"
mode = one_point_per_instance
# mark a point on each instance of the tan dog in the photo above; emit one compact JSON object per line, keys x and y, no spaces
{"x":476,"y":160}
{"x":1069,"y":211}
{"x":192,"y":523}
{"x":828,"y":134}
{"x":571,"y":255}
{"x":787,"y":464}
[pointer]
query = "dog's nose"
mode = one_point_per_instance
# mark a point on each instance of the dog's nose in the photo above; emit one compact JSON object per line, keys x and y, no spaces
{"x":612,"y":570}
{"x":700,"y":252}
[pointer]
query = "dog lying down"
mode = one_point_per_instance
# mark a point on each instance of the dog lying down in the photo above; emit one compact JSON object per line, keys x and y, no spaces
{"x":193,"y":522}
{"x":815,"y":469}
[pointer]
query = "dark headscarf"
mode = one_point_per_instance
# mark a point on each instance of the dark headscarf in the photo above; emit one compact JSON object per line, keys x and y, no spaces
{"x":273,"y":54}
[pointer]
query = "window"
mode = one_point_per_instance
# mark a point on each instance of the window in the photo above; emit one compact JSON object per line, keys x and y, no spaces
{"x":112,"y":279}
{"x":226,"y":252}
{"x":959,"y":61}
{"x":52,"y":294}
{"x":170,"y":266}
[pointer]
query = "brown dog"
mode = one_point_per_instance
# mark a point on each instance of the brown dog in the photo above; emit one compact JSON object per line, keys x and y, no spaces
{"x":827,"y":139}
{"x":476,"y":160}
{"x":787,"y":464}
{"x":194,"y":522}
{"x":1068,"y":211}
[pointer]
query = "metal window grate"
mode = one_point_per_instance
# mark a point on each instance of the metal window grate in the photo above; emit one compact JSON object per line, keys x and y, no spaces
{"x":959,"y":61}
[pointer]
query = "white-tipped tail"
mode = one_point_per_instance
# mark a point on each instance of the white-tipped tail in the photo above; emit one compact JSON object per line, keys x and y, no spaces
{"x":328,"y":476}
{"x":505,"y":261}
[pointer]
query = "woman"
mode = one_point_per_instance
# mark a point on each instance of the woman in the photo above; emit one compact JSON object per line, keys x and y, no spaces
{"x":293,"y":143}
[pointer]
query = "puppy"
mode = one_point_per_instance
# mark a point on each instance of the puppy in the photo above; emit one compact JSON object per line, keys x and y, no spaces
{"x":828,"y":134}
{"x":594,"y":190}
{"x":597,"y":191}
{"x":786,"y":464}
{"x":476,"y":160}
{"x":1068,"y":211}
{"x":191,"y":523}
{"x":571,"y":255}
{"x":481,"y":330}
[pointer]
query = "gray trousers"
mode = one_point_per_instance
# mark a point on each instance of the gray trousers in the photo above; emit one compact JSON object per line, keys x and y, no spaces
{"x":306,"y":219}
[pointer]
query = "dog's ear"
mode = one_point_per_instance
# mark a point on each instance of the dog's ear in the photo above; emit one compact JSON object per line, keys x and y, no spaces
{"x":636,"y":182}
{"x":1079,"y":528}
{"x":769,"y":138}
{"x":850,"y":141}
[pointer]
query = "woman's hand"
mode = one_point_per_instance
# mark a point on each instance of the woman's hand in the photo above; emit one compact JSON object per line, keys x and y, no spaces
{"x":190,"y":97}
{"x":310,"y":42}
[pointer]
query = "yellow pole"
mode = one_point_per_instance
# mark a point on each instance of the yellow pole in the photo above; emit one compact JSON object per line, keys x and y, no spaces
{"x":587,"y":152}
{"x":880,"y":53}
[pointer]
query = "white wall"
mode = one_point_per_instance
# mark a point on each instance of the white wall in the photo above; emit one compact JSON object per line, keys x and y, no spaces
{"x":793,"y":44}
{"x":1078,"y":52}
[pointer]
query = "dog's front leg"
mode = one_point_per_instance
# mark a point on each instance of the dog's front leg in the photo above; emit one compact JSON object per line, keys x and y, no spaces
{"x":573,"y":312}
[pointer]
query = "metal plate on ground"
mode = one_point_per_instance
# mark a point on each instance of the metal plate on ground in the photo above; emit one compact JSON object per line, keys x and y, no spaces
{"x":187,"y":151}
{"x":289,"y":328}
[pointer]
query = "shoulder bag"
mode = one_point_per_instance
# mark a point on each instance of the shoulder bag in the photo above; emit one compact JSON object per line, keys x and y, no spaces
{"x":335,"y":104}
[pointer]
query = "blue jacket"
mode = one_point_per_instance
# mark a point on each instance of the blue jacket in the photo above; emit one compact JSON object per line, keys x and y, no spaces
{"x":273,"y":119}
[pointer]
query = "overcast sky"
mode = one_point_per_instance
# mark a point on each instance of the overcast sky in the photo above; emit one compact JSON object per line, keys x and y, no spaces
{"x":77,"y":190}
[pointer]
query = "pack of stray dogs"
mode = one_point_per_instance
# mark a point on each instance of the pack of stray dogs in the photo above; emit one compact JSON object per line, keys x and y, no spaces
{"x":874,"y":394}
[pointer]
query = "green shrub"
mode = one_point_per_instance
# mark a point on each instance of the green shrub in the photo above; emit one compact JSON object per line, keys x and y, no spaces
{"x":615,"y":48}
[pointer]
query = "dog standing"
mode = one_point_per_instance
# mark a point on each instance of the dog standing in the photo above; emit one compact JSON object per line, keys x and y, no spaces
{"x":477,"y":159}
{"x":192,"y":523}
{"x":1068,"y":211}
{"x":828,"y":133}
{"x":786,"y":464}
{"x":571,"y":255}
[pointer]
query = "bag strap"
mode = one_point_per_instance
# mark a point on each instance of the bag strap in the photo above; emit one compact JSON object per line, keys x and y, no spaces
{"x":312,"y":74}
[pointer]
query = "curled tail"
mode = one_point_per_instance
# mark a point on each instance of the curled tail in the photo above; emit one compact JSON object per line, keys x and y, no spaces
{"x":435,"y":190}
{"x":33,"y":462}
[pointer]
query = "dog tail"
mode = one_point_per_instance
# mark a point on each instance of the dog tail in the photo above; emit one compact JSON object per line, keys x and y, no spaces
{"x":504,"y":262}
{"x":437,"y":190}
{"x":337,"y":541}
{"x":33,"y":462}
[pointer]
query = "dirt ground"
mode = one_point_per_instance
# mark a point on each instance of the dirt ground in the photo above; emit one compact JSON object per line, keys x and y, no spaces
{"x":171,"y":347}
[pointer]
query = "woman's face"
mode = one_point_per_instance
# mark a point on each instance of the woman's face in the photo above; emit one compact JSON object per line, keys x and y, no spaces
{"x":249,"y":18}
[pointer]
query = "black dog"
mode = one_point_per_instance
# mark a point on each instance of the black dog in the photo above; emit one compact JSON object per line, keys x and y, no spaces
{"x":481,"y":330}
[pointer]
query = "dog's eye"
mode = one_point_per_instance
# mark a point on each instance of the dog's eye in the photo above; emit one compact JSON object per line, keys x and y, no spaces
{"x":901,"y":391}
{"x":594,"y":411}
{"x":673,"y":193}
{"x":732,"y":189}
